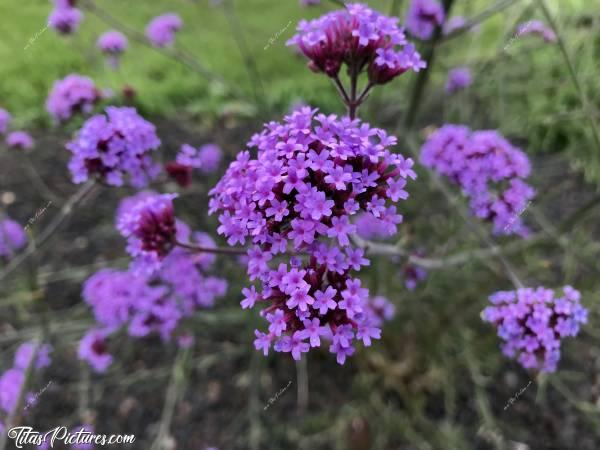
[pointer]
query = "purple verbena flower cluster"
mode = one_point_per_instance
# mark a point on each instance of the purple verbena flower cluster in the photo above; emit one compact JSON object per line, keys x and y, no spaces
{"x":65,"y":18}
{"x":20,"y":140}
{"x":11,"y":381}
{"x":113,"y":44}
{"x":360,"y":38}
{"x":458,"y":78}
{"x":152,"y":301}
{"x":489,"y":170}
{"x":5,"y":119}
{"x":311,"y":175}
{"x":413,"y":275}
{"x":113,"y":146}
{"x":161,"y":30}
{"x":532,"y":323}
{"x":423,"y":16}
{"x":72,"y":94}
{"x":151,"y":230}
{"x":12,"y":238}
{"x":537,"y":27}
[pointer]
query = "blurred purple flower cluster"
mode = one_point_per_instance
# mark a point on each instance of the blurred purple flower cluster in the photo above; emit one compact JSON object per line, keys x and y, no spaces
{"x":532,"y":323}
{"x":161,"y":30}
{"x":489,"y":170}
{"x":114,"y":146}
{"x":360,"y":38}
{"x":312,"y":174}
{"x":72,"y":94}
{"x":19,"y":140}
{"x":536,"y":27}
{"x":206,"y":159}
{"x":5,"y":119}
{"x":423,"y":16}
{"x":11,"y":381}
{"x":65,"y":18}
{"x":12,"y":238}
{"x":149,"y":301}
{"x":458,"y":79}
{"x":113,"y":44}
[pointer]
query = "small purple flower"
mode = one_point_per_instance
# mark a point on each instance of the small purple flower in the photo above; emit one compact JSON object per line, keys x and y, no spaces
{"x":458,"y":78}
{"x":536,"y":27}
{"x":65,"y":19}
{"x":24,"y":354}
{"x":453,"y":24}
{"x":72,"y":94}
{"x":12,"y":238}
{"x":93,"y":349}
{"x":113,"y":44}
{"x":423,"y":16}
{"x":161,"y":30}
{"x":5,"y":119}
{"x":19,"y":140}
{"x":357,"y":36}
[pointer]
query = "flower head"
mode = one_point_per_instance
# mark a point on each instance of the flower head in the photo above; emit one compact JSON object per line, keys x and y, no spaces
{"x":113,"y":146}
{"x":113,"y":44}
{"x":93,"y":348}
{"x":458,"y":79}
{"x":161,"y":30}
{"x":65,"y":19}
{"x":532,"y":323}
{"x":359,"y":37}
{"x":150,"y":227}
{"x":12,"y":238}
{"x":5,"y":119}
{"x":536,"y":27}
{"x":20,"y":140}
{"x":312,"y":173}
{"x":489,"y":170}
{"x":423,"y":16}
{"x":72,"y":94}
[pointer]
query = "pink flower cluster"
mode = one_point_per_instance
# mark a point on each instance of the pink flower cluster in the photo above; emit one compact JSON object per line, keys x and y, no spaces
{"x":489,"y":170}
{"x":360,"y":38}
{"x":312,"y":174}
{"x":532,"y":323}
